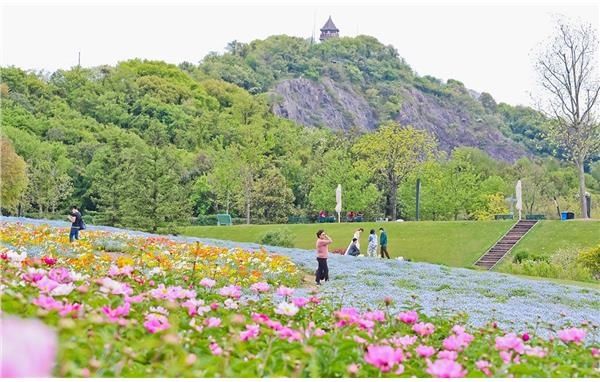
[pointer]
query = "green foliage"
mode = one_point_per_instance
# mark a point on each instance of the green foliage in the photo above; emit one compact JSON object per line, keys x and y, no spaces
{"x":14,"y":176}
{"x":393,"y":152}
{"x":279,"y":238}
{"x":563,"y":264}
{"x":590,"y":259}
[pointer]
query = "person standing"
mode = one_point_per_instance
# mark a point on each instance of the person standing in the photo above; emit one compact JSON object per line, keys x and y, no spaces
{"x":383,"y":240}
{"x":76,"y":223}
{"x":322,"y":245}
{"x":372,"y":249}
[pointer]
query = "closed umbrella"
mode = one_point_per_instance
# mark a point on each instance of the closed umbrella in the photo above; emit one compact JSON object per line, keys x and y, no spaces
{"x":338,"y":200}
{"x":519,"y":195}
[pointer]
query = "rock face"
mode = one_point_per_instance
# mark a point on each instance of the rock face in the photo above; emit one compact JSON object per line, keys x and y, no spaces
{"x":454,"y":126}
{"x":340,"y":107}
{"x":311,"y":103}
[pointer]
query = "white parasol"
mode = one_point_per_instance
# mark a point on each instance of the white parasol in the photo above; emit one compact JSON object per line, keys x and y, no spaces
{"x":519,"y":194}
{"x":338,"y":200}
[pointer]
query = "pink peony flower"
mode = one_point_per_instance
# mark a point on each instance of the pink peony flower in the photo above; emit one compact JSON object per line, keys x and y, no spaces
{"x":535,"y":351}
{"x":376,"y":315}
{"x":423,"y":329}
{"x":458,"y":329}
{"x":289,"y":334}
{"x":252,"y":331}
{"x":383,"y":357}
{"x":506,"y":356}
{"x":572,"y":335}
{"x":192,"y":305}
{"x":359,"y":339}
{"x":300,"y":301}
{"x":49,"y":261}
{"x":261,"y":287}
{"x":28,"y":348}
{"x":135,"y":299}
{"x":46,"y":285}
{"x":445,"y":368}
{"x":448,"y":354}
{"x":425,"y":351}
{"x":525,"y":337}
{"x":404,"y":341}
{"x":47,"y":302}
{"x":215,"y":348}
{"x":212,"y":322}
{"x":232,"y":291}
{"x":33,"y":276}
{"x":409,"y":317}
{"x":595,"y":352}
{"x":60,"y":275}
{"x":353,"y":368}
{"x":347,"y":316}
{"x":510,"y":342}
{"x":69,"y":309}
{"x":115,"y":314}
{"x":315,"y":300}
{"x":319,"y":332}
{"x":484,"y":366}
{"x":259,"y":317}
{"x":285,"y":291}
{"x":457,"y":342}
{"x":156,"y":323}
{"x":208,"y":283}
{"x":399,"y":369}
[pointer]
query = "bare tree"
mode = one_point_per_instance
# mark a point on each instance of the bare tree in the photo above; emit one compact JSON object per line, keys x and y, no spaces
{"x":568,"y":73}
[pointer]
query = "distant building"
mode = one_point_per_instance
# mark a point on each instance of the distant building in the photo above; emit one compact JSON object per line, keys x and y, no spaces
{"x":329,"y":30}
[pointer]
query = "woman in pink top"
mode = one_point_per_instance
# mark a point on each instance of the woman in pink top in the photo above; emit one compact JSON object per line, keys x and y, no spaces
{"x":323,"y":242}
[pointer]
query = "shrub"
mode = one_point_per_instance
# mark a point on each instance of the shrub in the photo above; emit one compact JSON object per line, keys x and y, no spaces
{"x":590,"y":259}
{"x":524,"y":255}
{"x":562,"y":265}
{"x":279,"y":238}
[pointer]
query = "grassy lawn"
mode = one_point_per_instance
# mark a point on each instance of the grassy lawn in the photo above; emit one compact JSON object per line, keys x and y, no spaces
{"x":547,"y":237}
{"x":456,"y":244}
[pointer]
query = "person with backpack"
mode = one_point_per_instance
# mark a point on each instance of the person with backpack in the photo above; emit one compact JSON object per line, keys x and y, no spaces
{"x":77,"y":224}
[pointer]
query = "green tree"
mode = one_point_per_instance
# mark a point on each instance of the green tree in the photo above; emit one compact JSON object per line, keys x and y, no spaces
{"x":273,"y":199}
{"x":13,"y":172}
{"x":394,"y":152}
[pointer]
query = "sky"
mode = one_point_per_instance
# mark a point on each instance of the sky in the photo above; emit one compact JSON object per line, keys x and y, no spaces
{"x":487,"y":47}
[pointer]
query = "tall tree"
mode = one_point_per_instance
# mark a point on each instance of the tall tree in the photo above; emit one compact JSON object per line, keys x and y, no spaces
{"x":568,"y":73}
{"x":13,"y":171}
{"x":394,"y":152}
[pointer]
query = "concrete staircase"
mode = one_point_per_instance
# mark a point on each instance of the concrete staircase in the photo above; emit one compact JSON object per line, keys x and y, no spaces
{"x":505,"y":244}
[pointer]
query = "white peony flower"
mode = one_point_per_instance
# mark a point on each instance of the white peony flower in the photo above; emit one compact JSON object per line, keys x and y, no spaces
{"x":286,"y":309}
{"x":62,"y":290}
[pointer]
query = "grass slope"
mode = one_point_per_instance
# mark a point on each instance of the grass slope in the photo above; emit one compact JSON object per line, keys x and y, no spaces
{"x":547,"y":237}
{"x":456,"y":244}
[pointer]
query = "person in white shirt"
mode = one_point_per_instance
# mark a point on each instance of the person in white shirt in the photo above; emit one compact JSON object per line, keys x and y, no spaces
{"x":372,"y":248}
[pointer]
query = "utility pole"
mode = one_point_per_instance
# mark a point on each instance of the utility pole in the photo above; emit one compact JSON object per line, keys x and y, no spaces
{"x":418,"y":197}
{"x":79,"y":60}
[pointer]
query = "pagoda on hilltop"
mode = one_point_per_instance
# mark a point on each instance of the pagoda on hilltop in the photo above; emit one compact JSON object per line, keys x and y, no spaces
{"x":329,"y":30}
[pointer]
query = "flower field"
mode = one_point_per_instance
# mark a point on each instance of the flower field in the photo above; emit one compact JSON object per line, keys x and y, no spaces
{"x":114,"y":304}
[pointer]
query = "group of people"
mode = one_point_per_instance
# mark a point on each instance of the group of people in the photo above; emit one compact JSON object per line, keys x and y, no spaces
{"x":323,"y":241}
{"x":374,"y":243}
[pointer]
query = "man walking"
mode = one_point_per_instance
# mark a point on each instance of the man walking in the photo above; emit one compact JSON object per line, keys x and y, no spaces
{"x":76,"y":223}
{"x":383,"y":243}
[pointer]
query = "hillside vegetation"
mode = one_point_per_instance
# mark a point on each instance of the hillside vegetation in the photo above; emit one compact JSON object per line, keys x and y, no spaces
{"x":149,"y":145}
